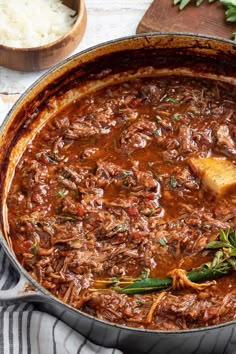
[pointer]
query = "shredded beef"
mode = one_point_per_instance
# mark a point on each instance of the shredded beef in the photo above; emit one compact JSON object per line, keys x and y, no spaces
{"x":105,"y":192}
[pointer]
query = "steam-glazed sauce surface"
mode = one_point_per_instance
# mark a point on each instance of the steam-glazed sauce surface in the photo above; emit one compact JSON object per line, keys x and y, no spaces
{"x":107,"y":190}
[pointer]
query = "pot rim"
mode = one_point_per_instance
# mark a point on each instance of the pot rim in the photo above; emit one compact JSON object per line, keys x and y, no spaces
{"x":3,"y":242}
{"x":103,"y":45}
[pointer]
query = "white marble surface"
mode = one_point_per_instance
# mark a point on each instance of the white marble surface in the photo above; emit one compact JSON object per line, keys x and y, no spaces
{"x":107,"y":20}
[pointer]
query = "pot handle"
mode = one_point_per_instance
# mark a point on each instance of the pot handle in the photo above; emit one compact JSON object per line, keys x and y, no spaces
{"x":22,"y":291}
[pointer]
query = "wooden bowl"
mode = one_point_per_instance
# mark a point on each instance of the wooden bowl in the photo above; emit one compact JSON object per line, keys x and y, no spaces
{"x":43,"y":57}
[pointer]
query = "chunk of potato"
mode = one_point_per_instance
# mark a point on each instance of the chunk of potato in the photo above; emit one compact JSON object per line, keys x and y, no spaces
{"x":218,"y":176}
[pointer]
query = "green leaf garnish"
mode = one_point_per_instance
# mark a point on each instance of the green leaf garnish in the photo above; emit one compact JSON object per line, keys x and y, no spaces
{"x":127,"y":173}
{"x":35,"y":247}
{"x":171,"y":99}
{"x":176,"y":116}
{"x":173,"y":182}
{"x":158,"y":132}
{"x":61,"y":193}
{"x":52,"y":159}
{"x":145,"y":273}
{"x":151,"y":212}
{"x":183,"y":3}
{"x":162,"y":241}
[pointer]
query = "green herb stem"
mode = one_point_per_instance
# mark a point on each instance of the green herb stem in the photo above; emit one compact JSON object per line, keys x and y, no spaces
{"x":154,"y":284}
{"x":223,"y":262}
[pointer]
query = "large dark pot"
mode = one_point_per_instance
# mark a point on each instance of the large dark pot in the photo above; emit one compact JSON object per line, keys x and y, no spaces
{"x":118,"y":60}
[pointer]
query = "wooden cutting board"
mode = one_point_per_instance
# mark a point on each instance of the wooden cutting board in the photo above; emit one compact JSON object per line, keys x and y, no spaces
{"x":209,"y":19}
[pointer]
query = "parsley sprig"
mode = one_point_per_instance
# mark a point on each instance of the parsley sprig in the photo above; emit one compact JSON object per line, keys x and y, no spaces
{"x":183,"y":3}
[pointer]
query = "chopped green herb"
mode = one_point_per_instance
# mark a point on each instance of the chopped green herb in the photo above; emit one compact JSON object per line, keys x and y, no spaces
{"x":139,"y":301}
{"x":176,"y":116}
{"x":151,"y":212}
{"x":158,"y":132}
{"x":52,"y":159}
{"x":171,"y":99}
{"x":163,"y":241}
{"x":150,"y":164}
{"x":158,"y":118}
{"x":61,"y":193}
{"x":207,"y":226}
{"x":127,"y":173}
{"x":118,"y":228}
{"x":69,"y":218}
{"x":145,"y":273}
{"x":173,"y":182}
{"x":105,"y":130}
{"x":47,"y":223}
{"x":35,"y":248}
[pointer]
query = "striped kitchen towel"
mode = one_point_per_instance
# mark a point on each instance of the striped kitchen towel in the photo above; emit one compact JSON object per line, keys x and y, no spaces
{"x":25,"y":330}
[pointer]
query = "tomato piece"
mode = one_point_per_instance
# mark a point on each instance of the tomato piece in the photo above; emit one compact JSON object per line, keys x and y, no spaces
{"x":139,"y":235}
{"x":133,"y":211}
{"x":151,"y":196}
{"x":80,"y":211}
{"x":22,"y":246}
{"x":27,"y":244}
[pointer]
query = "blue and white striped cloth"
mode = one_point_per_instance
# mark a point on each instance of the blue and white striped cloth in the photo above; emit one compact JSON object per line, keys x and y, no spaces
{"x":25,"y":330}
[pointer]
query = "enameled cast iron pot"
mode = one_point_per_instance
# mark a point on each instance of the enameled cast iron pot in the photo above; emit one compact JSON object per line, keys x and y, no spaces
{"x":115,"y":61}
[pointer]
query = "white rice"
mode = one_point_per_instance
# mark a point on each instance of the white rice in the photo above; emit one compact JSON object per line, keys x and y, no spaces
{"x":32,"y":23}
